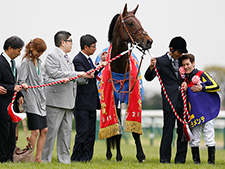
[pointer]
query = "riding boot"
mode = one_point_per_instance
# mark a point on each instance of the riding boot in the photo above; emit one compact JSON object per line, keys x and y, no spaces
{"x":211,"y":155}
{"x":195,"y":155}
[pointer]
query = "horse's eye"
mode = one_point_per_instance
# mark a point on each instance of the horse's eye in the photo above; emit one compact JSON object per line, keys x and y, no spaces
{"x":131,"y":24}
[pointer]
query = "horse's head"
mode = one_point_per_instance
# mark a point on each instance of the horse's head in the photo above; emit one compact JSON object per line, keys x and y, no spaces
{"x":131,"y":30}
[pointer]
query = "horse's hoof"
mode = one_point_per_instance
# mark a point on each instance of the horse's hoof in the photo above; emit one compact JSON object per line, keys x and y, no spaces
{"x":141,"y":159}
{"x":119,"y":158}
{"x":109,"y":156}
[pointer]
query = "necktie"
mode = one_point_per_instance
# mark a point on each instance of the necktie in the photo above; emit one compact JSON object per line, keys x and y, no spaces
{"x":91,"y":63}
{"x":175,"y":64}
{"x":13,"y":67}
{"x":67,"y":59}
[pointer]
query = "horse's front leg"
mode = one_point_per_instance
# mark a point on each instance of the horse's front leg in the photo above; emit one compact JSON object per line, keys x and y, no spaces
{"x":108,"y":151}
{"x":140,"y":154}
{"x":118,"y":152}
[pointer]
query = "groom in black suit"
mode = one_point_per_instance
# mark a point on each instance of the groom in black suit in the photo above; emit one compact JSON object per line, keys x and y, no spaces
{"x":168,"y":68}
{"x":12,"y":48}
{"x":87,"y":101}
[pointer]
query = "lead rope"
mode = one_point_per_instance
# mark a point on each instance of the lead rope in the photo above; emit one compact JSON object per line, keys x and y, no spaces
{"x":183,"y":94}
{"x":88,"y":72}
{"x":184,"y":97}
{"x":72,"y":78}
{"x":168,"y":99}
{"x":187,"y":133}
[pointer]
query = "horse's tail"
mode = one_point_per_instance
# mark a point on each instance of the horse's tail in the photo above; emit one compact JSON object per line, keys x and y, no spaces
{"x":114,"y":140}
{"x":111,"y":142}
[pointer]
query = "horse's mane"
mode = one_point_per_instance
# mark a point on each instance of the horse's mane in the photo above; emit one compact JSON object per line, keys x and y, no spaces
{"x":111,"y":27}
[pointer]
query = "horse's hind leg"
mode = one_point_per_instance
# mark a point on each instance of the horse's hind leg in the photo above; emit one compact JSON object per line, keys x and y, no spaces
{"x":110,"y":144}
{"x":108,"y":151}
{"x":140,"y":154}
{"x":118,"y":154}
{"x":118,"y":139}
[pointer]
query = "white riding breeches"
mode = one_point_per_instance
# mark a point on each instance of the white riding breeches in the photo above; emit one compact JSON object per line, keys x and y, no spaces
{"x":208,"y":133}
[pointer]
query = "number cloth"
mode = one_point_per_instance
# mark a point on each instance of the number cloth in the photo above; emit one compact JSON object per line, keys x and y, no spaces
{"x":109,"y":122}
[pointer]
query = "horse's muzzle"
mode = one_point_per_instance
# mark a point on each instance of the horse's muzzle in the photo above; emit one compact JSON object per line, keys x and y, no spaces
{"x":147,"y":44}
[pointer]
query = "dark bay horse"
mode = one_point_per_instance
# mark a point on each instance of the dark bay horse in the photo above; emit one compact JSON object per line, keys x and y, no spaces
{"x":126,"y":29}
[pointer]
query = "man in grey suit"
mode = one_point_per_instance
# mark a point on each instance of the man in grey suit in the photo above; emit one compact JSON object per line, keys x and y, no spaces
{"x":60,"y":99}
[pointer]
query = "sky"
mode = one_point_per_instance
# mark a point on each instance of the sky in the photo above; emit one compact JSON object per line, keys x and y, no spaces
{"x":200,"y":22}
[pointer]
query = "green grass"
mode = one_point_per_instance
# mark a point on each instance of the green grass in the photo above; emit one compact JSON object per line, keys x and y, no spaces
{"x":129,"y":160}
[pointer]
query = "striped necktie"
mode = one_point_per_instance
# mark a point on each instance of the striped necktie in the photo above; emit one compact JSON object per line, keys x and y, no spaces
{"x":175,"y":64}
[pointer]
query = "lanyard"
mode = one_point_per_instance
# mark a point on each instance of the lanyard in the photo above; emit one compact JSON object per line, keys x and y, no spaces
{"x":37,"y":68}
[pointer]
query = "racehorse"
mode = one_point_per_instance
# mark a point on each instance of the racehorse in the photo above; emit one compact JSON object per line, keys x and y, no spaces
{"x":125,"y":29}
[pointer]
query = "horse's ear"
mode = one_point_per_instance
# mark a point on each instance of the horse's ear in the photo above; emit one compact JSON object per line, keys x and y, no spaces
{"x":135,"y":10}
{"x":124,"y":11}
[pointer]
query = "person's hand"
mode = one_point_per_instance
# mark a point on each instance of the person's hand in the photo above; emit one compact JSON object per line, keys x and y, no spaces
{"x":184,"y":86}
{"x":196,"y":88}
{"x":85,"y":75}
{"x":17,"y":88}
{"x":91,"y":75}
{"x":2,"y":90}
{"x":103,"y":56}
{"x":152,"y":63}
{"x":25,"y":86}
{"x":104,"y":63}
{"x":21,"y":101}
{"x":66,"y":80}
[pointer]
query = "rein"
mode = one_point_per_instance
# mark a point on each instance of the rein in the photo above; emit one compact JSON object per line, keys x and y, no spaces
{"x":132,"y":37}
{"x":138,"y":72}
{"x":124,"y":79}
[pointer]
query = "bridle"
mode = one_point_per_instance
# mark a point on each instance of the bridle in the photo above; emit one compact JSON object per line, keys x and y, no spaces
{"x":130,"y":34}
{"x":132,"y":37}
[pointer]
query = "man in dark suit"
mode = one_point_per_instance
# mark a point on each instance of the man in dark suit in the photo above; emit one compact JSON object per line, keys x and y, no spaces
{"x":12,"y":48}
{"x":87,"y":101}
{"x":2,"y":90}
{"x":168,"y":68}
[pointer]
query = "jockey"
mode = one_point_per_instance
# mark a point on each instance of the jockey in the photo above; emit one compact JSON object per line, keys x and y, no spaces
{"x":199,"y":81}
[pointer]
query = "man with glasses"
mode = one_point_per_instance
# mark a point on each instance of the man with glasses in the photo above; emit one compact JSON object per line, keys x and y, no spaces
{"x":60,"y":99}
{"x":87,"y":101}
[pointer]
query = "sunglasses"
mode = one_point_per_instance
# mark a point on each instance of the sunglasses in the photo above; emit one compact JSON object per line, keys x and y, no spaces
{"x":68,"y":40}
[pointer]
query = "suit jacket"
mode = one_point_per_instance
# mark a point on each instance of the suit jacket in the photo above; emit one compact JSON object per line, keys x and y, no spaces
{"x":34,"y":99}
{"x":8,"y":81}
{"x":87,"y":95}
{"x":170,"y":81}
{"x":56,"y":68}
